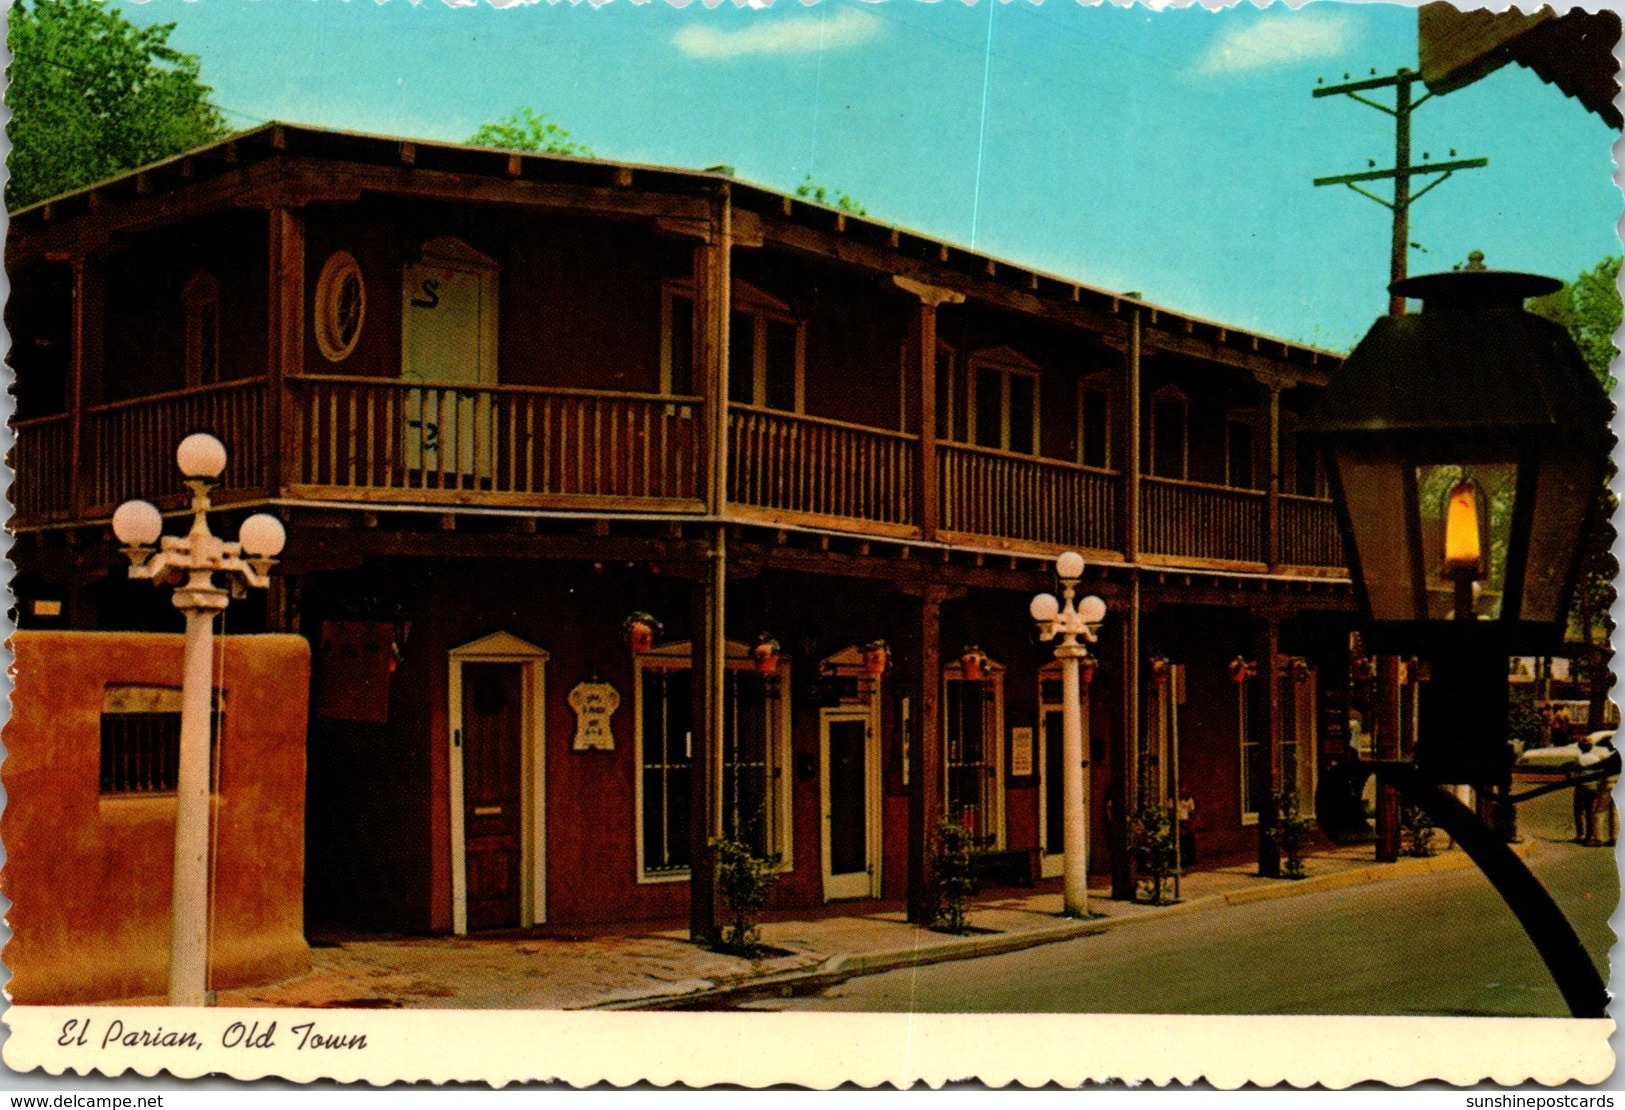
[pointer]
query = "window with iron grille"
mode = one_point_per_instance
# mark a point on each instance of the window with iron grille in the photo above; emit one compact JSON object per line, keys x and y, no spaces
{"x":974,"y":733}
{"x":140,"y":752}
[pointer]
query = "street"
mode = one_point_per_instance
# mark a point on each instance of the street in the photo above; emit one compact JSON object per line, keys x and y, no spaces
{"x":1430,"y":945}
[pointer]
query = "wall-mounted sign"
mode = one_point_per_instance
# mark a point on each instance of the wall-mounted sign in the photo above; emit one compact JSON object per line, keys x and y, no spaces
{"x":594,"y":703}
{"x":1021,"y":751}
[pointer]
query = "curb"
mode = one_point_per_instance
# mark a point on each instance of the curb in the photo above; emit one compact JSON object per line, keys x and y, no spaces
{"x":838,"y":968}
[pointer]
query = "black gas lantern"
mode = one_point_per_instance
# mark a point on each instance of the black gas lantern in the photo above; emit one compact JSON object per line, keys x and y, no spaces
{"x":1467,"y":446}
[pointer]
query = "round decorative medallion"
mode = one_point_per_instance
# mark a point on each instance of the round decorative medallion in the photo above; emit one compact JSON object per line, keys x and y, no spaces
{"x":341,"y":306}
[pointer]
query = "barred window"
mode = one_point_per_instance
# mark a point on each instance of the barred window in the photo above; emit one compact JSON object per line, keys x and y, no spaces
{"x":141,"y":740}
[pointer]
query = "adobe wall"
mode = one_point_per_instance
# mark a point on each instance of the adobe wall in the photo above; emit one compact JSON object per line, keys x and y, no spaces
{"x":90,"y":876}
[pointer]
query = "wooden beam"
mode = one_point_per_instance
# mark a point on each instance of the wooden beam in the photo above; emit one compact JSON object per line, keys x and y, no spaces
{"x":286,"y":328}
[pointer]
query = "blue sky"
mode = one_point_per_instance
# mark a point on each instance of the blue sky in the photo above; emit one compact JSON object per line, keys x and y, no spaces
{"x":1167,"y":152}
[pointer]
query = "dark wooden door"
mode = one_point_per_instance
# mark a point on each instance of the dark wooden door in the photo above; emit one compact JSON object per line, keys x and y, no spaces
{"x":848,"y":797}
{"x":1054,"y":785}
{"x":493,"y":716}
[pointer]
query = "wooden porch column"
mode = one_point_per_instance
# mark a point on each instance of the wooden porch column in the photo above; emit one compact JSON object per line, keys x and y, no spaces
{"x":1131,"y":441}
{"x":1124,"y":792}
{"x":1386,"y":746}
{"x":86,"y":340}
{"x":1272,"y":507}
{"x":285,"y":343}
{"x":1269,"y":815}
{"x":927,"y":791}
{"x":923,"y":339}
{"x":713,"y":309}
{"x":708,"y":675}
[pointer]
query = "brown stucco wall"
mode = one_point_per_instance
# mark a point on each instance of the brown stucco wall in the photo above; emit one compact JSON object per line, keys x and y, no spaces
{"x":89,"y":876}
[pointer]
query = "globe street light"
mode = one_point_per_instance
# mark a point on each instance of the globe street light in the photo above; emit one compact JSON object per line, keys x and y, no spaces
{"x":190,"y":563}
{"x":1071,"y":619}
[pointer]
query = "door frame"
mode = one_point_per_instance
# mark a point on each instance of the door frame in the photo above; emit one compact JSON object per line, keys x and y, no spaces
{"x":1050,"y":866}
{"x":834,"y":887}
{"x":503,"y":647}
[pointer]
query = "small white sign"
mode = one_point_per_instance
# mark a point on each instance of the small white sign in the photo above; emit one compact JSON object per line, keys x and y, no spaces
{"x":595,"y":703}
{"x":1021,"y":751}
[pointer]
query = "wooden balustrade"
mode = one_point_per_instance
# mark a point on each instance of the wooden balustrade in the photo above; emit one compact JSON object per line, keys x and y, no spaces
{"x":1194,"y":520}
{"x":393,"y":440}
{"x":133,"y":442}
{"x":1309,"y":533}
{"x":42,"y":468}
{"x":1020,"y":497}
{"x":827,"y":469}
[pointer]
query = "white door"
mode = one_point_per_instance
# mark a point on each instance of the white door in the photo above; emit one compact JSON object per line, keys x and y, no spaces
{"x":849,"y":777}
{"x":449,"y":340}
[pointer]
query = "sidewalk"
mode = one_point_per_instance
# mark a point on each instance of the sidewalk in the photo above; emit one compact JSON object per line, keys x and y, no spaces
{"x":655,"y":967}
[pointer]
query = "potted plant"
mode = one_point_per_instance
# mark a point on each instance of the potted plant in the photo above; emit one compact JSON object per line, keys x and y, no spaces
{"x":1291,"y":832}
{"x":641,"y":631}
{"x":952,"y":879}
{"x":1153,"y":841}
{"x":745,"y":881}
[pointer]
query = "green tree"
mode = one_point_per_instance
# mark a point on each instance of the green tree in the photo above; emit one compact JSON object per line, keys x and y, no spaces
{"x":529,"y":131}
{"x":93,"y":95}
{"x":835,"y":198}
{"x":1589,"y":306}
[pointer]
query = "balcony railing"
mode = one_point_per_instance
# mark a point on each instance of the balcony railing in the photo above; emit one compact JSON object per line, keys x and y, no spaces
{"x":1309,"y":533}
{"x":1001,"y":495}
{"x":1194,"y":520}
{"x":42,"y":468}
{"x":133,"y":442}
{"x":403,"y":441}
{"x":385,"y":440}
{"x":827,"y":470}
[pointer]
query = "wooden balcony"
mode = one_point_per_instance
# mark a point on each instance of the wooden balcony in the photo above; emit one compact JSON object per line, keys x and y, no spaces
{"x":999,"y":496}
{"x":381,"y":441}
{"x":388,"y":440}
{"x":823,"y":472}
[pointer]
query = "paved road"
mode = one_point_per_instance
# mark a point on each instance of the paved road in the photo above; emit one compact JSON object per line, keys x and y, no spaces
{"x":1438,"y":944}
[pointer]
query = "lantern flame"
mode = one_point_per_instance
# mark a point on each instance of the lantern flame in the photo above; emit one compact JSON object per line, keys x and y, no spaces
{"x":1463,"y":548}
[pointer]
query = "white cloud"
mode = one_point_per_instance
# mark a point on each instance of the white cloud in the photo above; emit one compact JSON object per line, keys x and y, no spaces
{"x":1278,"y":40}
{"x":769,"y":35}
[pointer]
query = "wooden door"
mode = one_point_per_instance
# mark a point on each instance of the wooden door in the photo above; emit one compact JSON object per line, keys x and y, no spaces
{"x":849,"y":820}
{"x":448,"y":332}
{"x":1054,"y":787}
{"x":493,"y":717}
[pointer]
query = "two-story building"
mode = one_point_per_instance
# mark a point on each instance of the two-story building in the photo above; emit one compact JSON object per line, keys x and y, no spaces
{"x":630,"y":506}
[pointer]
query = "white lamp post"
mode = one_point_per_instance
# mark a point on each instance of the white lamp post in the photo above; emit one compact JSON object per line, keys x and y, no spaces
{"x":1071,"y":619}
{"x":191,"y":562}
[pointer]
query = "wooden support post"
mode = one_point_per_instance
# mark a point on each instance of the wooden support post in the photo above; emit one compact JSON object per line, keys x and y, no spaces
{"x":1269,"y":813}
{"x":1123,"y":792}
{"x":708,"y":676}
{"x":1272,"y":507}
{"x":1130,"y":539}
{"x":927,"y":791}
{"x":923,"y":342}
{"x":79,"y":325}
{"x":713,"y":284}
{"x":286,"y":255}
{"x":1386,"y":711}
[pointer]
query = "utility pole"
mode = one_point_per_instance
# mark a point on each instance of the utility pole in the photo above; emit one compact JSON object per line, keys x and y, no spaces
{"x":1403,"y":171}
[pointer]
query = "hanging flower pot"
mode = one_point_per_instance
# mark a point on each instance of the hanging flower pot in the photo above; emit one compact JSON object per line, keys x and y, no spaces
{"x":1086,"y":669}
{"x":1241,"y":670}
{"x":765,"y":655}
{"x":641,"y":630}
{"x":973,"y":663}
{"x":1158,"y":666}
{"x":1301,"y":671}
{"x":876,"y":658}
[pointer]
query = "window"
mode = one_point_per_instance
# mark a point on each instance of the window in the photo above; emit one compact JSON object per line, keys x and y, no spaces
{"x":1094,"y":426}
{"x":1003,"y":401}
{"x":973,"y":733}
{"x":201,"y":301}
{"x":947,"y":389}
{"x":1170,"y":457}
{"x":754,"y":788}
{"x":141,"y":740}
{"x":1311,"y":476}
{"x":1255,"y":769}
{"x":341,"y":306}
{"x":1239,"y":464}
{"x":766,"y":348}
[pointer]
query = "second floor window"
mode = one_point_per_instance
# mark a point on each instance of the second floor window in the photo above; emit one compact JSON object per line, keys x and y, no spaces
{"x":1094,"y":426}
{"x":1003,"y":402}
{"x":1239,"y":464}
{"x":1169,"y":455}
{"x":766,"y":348}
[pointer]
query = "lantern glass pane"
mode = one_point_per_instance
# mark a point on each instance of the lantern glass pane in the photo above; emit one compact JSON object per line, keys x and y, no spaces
{"x":1563,"y":492}
{"x":1374,"y":493}
{"x":1497,"y":484}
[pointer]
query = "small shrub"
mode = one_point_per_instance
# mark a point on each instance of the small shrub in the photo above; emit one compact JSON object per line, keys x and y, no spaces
{"x":952,"y":880}
{"x":1416,"y":830}
{"x":1153,"y":840}
{"x":745,"y":881}
{"x":1291,"y":832}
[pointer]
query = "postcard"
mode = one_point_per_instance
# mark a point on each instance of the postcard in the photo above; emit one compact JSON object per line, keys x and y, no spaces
{"x":811,"y":543}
